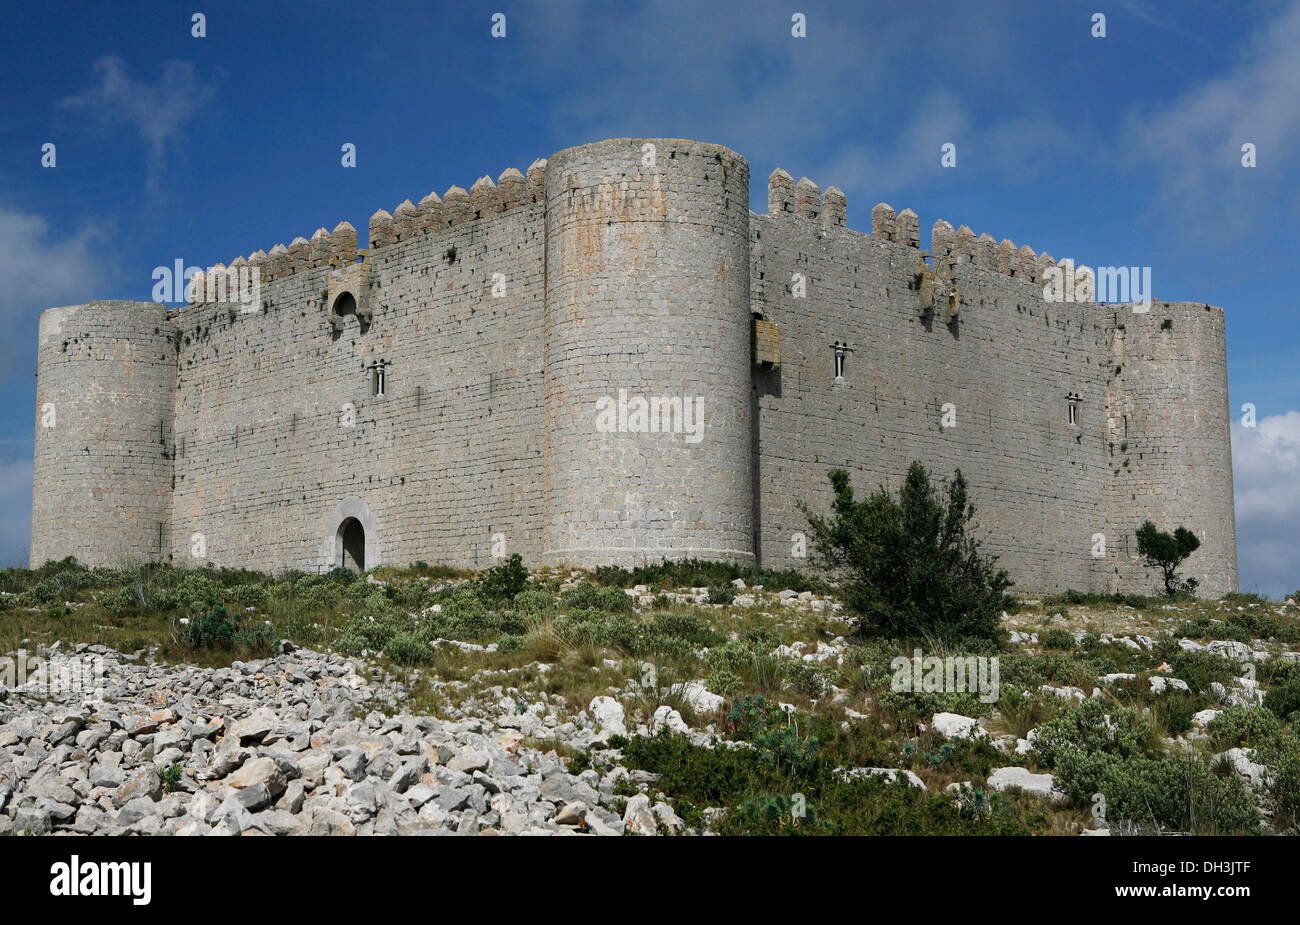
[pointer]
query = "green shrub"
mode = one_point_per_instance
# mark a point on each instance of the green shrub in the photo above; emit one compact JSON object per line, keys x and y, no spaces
{"x":688,"y":626}
{"x":163,"y":599}
{"x":408,"y":649}
{"x":1244,"y":598}
{"x":534,"y":602}
{"x":1282,"y":758}
{"x":721,"y":594}
{"x":502,"y":582}
{"x":1250,"y":727}
{"x":909,"y":566}
{"x":1205,"y":626}
{"x":43,"y":592}
{"x":1094,"y":727}
{"x":756,"y":785}
{"x":581,"y":596}
{"x":219,"y":629}
{"x":1179,"y":793}
{"x":650,"y":641}
{"x":247,"y":596}
{"x":1201,"y":669}
{"x":809,"y":679}
{"x":1284,"y":700}
{"x":412,"y":594}
{"x":209,"y":629}
{"x":698,"y":573}
{"x":724,"y":682}
{"x":512,"y":644}
{"x":597,"y":628}
{"x":511,"y":623}
{"x":171,"y":776}
{"x":1094,"y":599}
{"x":120,"y":601}
{"x":1099,"y":748}
{"x":198,"y":591}
{"x":613,"y":600}
{"x":1175,"y":710}
{"x":1057,"y":639}
{"x":366,"y":633}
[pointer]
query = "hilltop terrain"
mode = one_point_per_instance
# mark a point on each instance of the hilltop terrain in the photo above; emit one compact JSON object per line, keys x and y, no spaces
{"x":678,"y":699}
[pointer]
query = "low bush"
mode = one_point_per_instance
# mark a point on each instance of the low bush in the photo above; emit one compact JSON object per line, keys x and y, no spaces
{"x":1057,"y":639}
{"x":1284,"y":700}
{"x":1248,"y":727}
{"x":698,"y":573}
{"x":1095,"y":599}
{"x":219,"y":629}
{"x":535,"y":601}
{"x":721,"y":594}
{"x":502,"y":582}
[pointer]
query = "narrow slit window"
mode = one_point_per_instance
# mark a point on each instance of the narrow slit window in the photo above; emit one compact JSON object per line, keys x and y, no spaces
{"x":841,"y":353}
{"x":378,"y":383}
{"x":1072,"y":412}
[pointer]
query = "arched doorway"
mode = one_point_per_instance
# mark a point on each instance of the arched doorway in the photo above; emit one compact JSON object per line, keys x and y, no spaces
{"x":350,"y":537}
{"x":352,"y":540}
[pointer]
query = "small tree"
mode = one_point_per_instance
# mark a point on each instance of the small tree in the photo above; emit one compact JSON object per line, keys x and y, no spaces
{"x":1167,"y":552}
{"x":502,"y":582}
{"x":908,"y":566}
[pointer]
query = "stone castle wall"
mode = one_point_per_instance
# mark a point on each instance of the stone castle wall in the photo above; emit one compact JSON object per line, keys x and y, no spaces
{"x":648,"y":292}
{"x":102,"y":470}
{"x":1004,"y":365}
{"x":450,"y":455}
{"x":1169,"y":445}
{"x":504,"y":316}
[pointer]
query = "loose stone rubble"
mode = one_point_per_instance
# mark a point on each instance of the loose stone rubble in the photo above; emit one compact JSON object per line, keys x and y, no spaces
{"x":288,"y":745}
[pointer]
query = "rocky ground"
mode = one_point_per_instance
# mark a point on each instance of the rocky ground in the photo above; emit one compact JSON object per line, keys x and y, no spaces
{"x":286,"y":746}
{"x":494,"y":732}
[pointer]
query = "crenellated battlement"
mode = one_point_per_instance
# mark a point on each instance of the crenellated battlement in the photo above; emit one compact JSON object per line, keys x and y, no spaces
{"x":949,"y":247}
{"x":456,"y":206}
{"x":442,"y":388}
{"x":325,"y":249}
{"x":805,"y":199}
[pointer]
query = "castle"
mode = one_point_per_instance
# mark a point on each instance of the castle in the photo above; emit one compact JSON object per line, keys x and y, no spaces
{"x":610,"y":359}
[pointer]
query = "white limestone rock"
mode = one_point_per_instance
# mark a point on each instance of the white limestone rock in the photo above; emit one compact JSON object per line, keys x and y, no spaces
{"x":1016,"y":778}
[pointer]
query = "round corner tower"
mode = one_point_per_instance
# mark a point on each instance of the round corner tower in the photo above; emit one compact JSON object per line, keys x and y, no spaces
{"x":647,"y":370}
{"x":101,"y":482}
{"x":1170,"y":448}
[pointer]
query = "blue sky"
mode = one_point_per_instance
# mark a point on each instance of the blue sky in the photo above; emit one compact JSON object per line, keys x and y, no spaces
{"x":1123,"y":150}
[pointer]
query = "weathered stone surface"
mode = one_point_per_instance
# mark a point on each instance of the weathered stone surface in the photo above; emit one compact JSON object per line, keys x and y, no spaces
{"x":577,"y":232}
{"x":272,"y":772}
{"x":956,"y":726}
{"x":264,"y":771}
{"x":1022,"y":779}
{"x":638,"y":816}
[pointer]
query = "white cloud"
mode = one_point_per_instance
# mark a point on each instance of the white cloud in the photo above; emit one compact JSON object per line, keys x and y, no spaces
{"x":730,"y":73}
{"x":158,"y":111}
{"x":1193,"y":144}
{"x":1266,"y":471}
{"x":39,"y":270}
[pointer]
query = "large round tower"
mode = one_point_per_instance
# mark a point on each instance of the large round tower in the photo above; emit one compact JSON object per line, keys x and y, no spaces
{"x":648,"y":440}
{"x":1169,"y":446}
{"x":101,"y":482}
